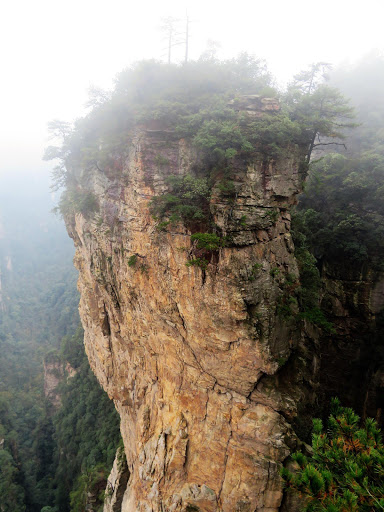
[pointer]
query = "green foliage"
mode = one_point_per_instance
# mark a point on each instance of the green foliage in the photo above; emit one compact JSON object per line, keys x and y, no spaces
{"x":308,"y":292}
{"x":60,"y":131}
{"x":146,"y":91}
{"x":301,"y":298}
{"x":72,"y":349}
{"x":273,"y":214}
{"x":223,"y":134}
{"x":346,"y":468}
{"x":91,"y":482}
{"x":187,"y":200}
{"x":61,"y":446}
{"x":209,"y":113}
{"x":309,"y":279}
{"x":77,"y":201}
{"x":208,"y":241}
{"x":171,"y":95}
{"x":86,"y":431}
{"x":162,"y":226}
{"x":281,"y":361}
{"x":341,"y":213}
{"x":198,"y":262}
{"x":132,"y":260}
{"x":243,"y":221}
{"x":287,"y":304}
{"x":11,"y":492}
{"x":222,"y":138}
{"x":205,"y":245}
{"x":274,"y":135}
{"x":167,"y":92}
{"x":226,"y":187}
{"x":39,"y":309}
{"x":317,"y":317}
{"x":274,"y":272}
{"x":161,"y":160}
{"x":255,"y":271}
{"x":322,"y":112}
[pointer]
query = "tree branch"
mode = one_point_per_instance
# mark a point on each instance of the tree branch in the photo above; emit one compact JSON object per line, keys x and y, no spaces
{"x":330,"y":143}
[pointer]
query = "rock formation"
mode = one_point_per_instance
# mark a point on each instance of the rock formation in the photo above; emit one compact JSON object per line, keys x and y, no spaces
{"x":117,"y":483}
{"x":53,"y":375}
{"x":200,"y":363}
{"x":55,"y":371}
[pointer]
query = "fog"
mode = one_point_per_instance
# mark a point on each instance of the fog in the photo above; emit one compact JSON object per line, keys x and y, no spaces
{"x":52,"y":51}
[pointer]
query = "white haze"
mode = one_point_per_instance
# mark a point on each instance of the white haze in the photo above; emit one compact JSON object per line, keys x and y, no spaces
{"x":52,"y":51}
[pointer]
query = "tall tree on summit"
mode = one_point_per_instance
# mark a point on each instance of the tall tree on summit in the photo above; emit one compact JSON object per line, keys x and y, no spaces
{"x":322,"y":111}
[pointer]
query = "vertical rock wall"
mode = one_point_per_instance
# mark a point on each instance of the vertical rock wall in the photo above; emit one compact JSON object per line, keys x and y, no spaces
{"x":352,"y":359}
{"x":196,"y":361}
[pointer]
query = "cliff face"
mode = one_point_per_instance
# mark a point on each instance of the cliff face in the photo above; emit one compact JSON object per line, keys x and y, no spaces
{"x":194,"y":359}
{"x":352,"y":360}
{"x":117,"y":483}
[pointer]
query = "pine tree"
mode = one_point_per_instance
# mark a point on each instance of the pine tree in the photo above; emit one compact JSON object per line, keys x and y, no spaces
{"x":346,"y":469}
{"x":322,"y":111}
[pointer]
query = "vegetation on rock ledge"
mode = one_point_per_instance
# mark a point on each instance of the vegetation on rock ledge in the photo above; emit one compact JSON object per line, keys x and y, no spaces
{"x":203,"y":102}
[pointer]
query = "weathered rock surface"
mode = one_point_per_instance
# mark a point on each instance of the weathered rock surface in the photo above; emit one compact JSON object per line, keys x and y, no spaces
{"x":117,"y":483}
{"x":195,"y":361}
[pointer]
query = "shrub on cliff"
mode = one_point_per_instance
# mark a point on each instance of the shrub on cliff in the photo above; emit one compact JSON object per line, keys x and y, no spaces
{"x":208,"y":241}
{"x":78,"y":200}
{"x":186,"y":200}
{"x":346,"y":469}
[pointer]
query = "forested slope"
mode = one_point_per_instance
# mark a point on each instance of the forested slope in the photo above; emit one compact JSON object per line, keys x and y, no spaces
{"x":38,"y":317}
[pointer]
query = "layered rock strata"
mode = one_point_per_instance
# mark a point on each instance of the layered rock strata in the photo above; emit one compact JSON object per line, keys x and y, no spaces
{"x":196,"y":360}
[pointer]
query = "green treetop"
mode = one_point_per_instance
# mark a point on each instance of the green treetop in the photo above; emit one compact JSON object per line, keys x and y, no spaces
{"x":198,"y":101}
{"x":322,"y":112}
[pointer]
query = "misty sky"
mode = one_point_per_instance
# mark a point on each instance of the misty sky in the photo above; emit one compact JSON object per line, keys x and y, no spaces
{"x":52,"y":51}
